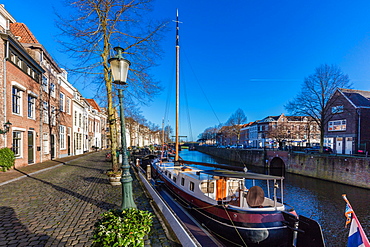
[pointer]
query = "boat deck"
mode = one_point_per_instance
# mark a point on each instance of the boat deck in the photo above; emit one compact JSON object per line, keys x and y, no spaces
{"x":201,"y":234}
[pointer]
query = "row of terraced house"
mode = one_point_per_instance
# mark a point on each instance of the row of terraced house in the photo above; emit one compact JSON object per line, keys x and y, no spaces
{"x":346,"y":132}
{"x":42,"y":115}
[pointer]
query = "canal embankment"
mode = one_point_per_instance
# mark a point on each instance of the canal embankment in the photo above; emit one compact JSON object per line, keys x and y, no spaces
{"x":348,"y":170}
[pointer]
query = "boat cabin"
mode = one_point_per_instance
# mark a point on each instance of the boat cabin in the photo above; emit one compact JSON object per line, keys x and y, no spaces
{"x":234,"y":188}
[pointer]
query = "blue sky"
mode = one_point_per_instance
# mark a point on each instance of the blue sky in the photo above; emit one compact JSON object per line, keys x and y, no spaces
{"x":244,"y":54}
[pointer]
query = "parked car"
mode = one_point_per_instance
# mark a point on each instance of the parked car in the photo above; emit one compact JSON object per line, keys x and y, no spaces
{"x":316,"y":149}
{"x":239,"y":146}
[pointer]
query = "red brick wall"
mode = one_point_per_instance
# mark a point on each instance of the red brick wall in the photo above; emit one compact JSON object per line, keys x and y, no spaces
{"x":22,"y":122}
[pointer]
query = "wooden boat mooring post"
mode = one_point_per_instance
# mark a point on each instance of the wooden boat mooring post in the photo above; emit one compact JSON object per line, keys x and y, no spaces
{"x":148,"y":172}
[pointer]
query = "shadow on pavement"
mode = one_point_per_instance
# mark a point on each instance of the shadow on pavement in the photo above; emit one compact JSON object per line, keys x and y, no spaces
{"x":87,"y":167}
{"x":98,"y":203}
{"x":96,"y":180}
{"x":14,"y":233}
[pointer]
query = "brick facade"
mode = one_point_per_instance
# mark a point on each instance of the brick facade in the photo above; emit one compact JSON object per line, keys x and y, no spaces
{"x":348,"y":131}
{"x":36,"y":98}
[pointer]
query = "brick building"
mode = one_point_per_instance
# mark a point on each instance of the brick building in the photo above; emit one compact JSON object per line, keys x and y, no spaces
{"x":38,"y":101}
{"x":348,"y":130}
{"x":21,"y":77}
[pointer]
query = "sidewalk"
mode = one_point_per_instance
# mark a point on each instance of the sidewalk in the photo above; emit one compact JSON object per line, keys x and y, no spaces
{"x":14,"y":174}
{"x":56,"y":203}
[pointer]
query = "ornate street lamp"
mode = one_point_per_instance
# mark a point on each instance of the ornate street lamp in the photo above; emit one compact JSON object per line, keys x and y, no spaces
{"x":119,"y":67}
{"x":6,"y":127}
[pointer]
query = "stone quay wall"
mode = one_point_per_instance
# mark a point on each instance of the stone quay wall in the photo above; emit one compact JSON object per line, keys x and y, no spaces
{"x":336,"y":168}
{"x":342,"y":169}
{"x":249,"y":157}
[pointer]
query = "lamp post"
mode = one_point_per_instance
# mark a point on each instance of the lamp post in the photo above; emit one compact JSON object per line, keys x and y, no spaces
{"x":119,"y":67}
{"x":6,"y":127}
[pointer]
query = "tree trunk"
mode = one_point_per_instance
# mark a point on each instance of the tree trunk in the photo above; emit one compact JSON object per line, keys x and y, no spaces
{"x":112,"y":121}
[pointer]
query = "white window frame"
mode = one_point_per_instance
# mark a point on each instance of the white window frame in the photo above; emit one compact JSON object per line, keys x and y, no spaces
{"x":53,"y":116}
{"x":68,"y":105}
{"x":45,"y":83}
{"x":62,"y":137}
{"x":337,"y":109}
{"x":62,"y":102}
{"x":337,"y":125}
{"x":31,"y":106}
{"x":45,"y":143}
{"x":17,"y":146}
{"x":17,"y":99}
{"x":45,"y":112}
{"x":75,"y":119}
{"x":52,"y":90}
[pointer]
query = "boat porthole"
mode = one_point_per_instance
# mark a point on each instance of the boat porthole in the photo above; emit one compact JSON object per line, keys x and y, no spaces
{"x":235,"y":215}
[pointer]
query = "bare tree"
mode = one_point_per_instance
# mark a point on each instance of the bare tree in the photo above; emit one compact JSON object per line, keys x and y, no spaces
{"x":317,"y":89}
{"x":154,"y":132}
{"x":235,"y":123}
{"x":279,"y":133}
{"x":209,"y":135}
{"x":168,"y":131}
{"x":93,"y":26}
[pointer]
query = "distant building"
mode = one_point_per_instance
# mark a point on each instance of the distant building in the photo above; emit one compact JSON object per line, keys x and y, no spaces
{"x":288,"y":131}
{"x":274,"y":132}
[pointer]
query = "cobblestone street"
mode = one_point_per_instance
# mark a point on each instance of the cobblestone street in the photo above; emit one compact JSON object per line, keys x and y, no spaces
{"x":59,"y":206}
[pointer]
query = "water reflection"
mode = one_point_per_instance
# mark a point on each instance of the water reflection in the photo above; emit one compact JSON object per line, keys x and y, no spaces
{"x":314,"y":198}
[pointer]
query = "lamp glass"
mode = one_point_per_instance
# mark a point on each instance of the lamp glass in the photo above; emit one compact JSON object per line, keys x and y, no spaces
{"x":119,"y":69}
{"x":7,"y":124}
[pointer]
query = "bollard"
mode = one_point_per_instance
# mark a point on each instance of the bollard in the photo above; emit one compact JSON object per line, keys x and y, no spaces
{"x":148,"y":172}
{"x":137,"y":162}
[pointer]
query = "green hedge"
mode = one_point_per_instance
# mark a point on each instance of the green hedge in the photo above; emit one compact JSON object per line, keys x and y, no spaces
{"x":7,"y":159}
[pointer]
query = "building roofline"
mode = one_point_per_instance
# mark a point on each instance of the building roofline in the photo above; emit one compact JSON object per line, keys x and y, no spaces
{"x":6,"y":14}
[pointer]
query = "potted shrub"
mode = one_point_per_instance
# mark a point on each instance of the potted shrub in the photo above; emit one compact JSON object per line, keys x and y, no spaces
{"x":122,"y":228}
{"x":114,"y":177}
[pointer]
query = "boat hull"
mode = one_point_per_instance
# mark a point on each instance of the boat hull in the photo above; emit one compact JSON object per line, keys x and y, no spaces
{"x":234,"y":226}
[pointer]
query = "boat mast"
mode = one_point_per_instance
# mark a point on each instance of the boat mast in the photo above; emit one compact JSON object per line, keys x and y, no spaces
{"x":177,"y":86}
{"x":163,"y":143}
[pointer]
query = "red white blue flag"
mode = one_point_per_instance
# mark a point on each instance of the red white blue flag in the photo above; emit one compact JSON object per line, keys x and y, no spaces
{"x":357,"y":236}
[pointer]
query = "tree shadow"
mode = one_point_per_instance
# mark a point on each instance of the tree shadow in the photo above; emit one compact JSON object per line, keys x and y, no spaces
{"x":98,"y":203}
{"x":96,"y":180}
{"x":14,"y":233}
{"x":87,"y":167}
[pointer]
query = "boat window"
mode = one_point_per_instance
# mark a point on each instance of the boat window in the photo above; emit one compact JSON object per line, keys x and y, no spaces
{"x":165,"y":172}
{"x":169,"y":175}
{"x":233,"y":185}
{"x":191,"y":187}
{"x":182,"y":181}
{"x":174,"y":179}
{"x":207,"y":187}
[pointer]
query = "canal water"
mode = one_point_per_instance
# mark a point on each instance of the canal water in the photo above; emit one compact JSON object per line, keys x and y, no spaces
{"x":318,"y":199}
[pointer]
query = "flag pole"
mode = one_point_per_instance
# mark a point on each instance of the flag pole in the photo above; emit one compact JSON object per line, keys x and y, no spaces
{"x":366,"y":242}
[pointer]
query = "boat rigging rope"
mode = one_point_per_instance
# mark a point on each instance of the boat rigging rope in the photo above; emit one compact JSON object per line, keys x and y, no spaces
{"x":232,"y":222}
{"x":242,"y":161}
{"x":187,"y":113}
{"x":199,"y":84}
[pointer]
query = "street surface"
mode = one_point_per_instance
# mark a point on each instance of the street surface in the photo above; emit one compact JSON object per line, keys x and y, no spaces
{"x":59,"y":206}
